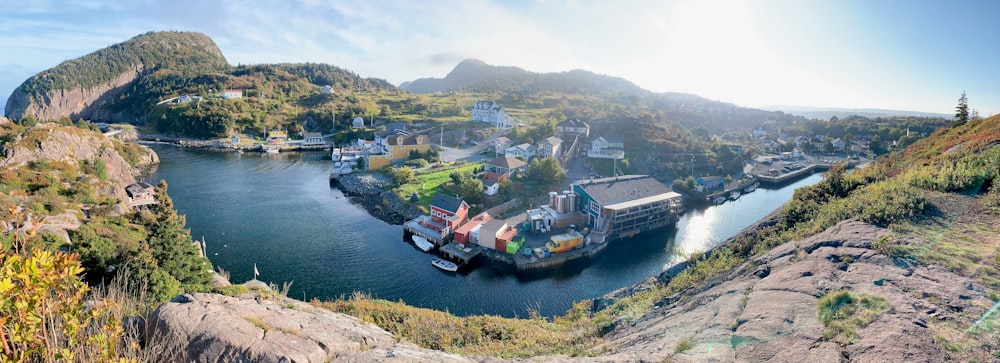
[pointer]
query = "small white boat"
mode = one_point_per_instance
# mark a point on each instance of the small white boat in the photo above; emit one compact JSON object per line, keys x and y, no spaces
{"x":734,"y":195}
{"x":719,"y":200}
{"x":750,"y":188}
{"x":444,"y":265}
{"x":271,"y":150}
{"x":422,"y":243}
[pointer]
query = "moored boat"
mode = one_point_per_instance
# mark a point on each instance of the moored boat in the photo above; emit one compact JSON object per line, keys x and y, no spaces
{"x":750,"y":188}
{"x":734,"y":195}
{"x":719,"y":200}
{"x":422,"y":243}
{"x":444,"y":265}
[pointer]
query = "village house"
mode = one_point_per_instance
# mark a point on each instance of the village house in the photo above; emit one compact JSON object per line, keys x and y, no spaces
{"x":234,"y":141}
{"x":607,"y":148}
{"x":448,"y":211}
{"x":708,"y":184}
{"x":501,"y":144}
{"x":312,"y":139}
{"x":490,"y":112}
{"x":491,"y":187}
{"x":358,"y":123}
{"x":838,"y":144}
{"x":232,"y":93}
{"x":505,"y":165}
{"x":326,"y":90}
{"x":570,"y":128}
{"x":140,"y":194}
{"x":526,"y":151}
{"x":395,"y":147}
{"x":623,"y":206}
{"x":276,"y":137}
{"x":549,"y":147}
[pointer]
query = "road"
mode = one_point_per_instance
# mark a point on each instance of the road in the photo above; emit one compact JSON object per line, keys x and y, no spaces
{"x":468,"y":152}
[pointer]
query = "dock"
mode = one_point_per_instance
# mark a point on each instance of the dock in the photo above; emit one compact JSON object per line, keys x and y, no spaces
{"x":459,"y":253}
{"x":434,"y":234}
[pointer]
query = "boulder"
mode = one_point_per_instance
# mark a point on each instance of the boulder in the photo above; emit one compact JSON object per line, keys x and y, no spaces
{"x":215,"y":328}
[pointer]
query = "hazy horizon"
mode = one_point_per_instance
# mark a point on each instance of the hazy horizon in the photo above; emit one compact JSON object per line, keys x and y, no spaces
{"x":896,"y":54}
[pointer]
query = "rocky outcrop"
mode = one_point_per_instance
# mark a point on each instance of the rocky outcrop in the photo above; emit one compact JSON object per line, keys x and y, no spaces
{"x":765,"y":310}
{"x":369,"y":191}
{"x":75,"y":103}
{"x":216,"y":328}
{"x":3,"y":120}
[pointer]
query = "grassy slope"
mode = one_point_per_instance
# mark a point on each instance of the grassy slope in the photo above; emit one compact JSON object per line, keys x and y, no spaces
{"x":901,"y":192}
{"x":429,"y":183}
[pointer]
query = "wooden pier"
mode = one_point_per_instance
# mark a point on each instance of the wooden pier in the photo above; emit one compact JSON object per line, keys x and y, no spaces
{"x":455,"y":252}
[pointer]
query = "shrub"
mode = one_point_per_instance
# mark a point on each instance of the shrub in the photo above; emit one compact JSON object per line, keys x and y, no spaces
{"x":416,"y":163}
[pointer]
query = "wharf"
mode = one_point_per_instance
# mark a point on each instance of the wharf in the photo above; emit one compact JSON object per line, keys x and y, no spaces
{"x":459,"y":254}
{"x":790,"y":176}
{"x":414,"y":227}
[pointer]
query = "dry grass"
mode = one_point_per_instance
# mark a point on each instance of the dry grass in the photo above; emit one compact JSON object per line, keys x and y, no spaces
{"x":571,"y":334}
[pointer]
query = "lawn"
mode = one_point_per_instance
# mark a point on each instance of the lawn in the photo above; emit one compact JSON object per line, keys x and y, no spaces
{"x":429,"y":183}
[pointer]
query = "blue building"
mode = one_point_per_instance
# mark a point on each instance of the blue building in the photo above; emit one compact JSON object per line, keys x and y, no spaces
{"x":624,"y":206}
{"x":710,"y":184}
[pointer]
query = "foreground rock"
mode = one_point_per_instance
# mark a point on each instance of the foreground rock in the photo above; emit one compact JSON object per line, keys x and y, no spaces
{"x":216,"y":328}
{"x":766,"y":309}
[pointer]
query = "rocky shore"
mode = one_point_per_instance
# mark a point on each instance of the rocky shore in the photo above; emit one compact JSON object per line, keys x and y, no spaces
{"x":369,"y":191}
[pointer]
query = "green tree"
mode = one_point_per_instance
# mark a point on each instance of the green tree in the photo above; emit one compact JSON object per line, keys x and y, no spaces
{"x":546,"y":172}
{"x":962,"y":110}
{"x":171,"y":244}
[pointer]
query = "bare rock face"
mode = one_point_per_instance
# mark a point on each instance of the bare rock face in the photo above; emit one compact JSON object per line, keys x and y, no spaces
{"x":216,"y":328}
{"x":51,"y":142}
{"x":752,"y":316}
{"x":3,"y":120}
{"x":74,"y":103}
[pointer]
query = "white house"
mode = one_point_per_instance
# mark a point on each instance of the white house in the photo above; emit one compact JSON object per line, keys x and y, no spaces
{"x":489,"y":112}
{"x":570,"y":128}
{"x":607,"y":148}
{"x":501,"y":144}
{"x":312,"y":138}
{"x":232,"y":93}
{"x":327,"y":90}
{"x":358,"y":123}
{"x":527,"y":151}
{"x":838,"y":144}
{"x":550,"y":146}
{"x":490,"y":187}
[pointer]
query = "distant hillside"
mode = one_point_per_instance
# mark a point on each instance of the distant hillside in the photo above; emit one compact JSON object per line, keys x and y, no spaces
{"x":473,"y":75}
{"x":134,"y":82}
{"x":827,"y":113}
{"x":507,"y":83}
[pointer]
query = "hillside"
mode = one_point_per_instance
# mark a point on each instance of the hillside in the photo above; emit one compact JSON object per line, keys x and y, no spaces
{"x":139,"y":81}
{"x":84,"y":87}
{"x":513,"y":85}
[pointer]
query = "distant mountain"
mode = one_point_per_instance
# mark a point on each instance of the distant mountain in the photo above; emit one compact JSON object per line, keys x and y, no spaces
{"x":473,"y":75}
{"x":827,"y":113}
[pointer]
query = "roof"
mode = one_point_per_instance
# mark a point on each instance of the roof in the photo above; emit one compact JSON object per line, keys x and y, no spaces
{"x":572,"y":123}
{"x":494,"y":178}
{"x":504,"y":140}
{"x":552,"y":140}
{"x":407,"y":139}
{"x":358,"y":119}
{"x":134,"y":190}
{"x":446,"y":202}
{"x":607,"y":191}
{"x":310,"y":135}
{"x":505,"y":161}
{"x":609,"y":139}
{"x":526,"y":147}
{"x":473,"y":223}
{"x":637,"y":202}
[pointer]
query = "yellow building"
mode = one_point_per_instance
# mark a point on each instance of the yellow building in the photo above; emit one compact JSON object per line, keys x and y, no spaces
{"x":397,"y":148}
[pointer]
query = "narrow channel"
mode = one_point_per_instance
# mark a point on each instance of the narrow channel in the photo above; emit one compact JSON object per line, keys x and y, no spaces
{"x":280,"y":212}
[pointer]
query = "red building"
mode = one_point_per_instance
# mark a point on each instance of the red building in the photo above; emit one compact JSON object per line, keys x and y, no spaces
{"x":462,"y":233}
{"x":448,"y":211}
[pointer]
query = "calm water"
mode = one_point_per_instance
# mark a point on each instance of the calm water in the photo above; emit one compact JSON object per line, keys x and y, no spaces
{"x":279,"y":212}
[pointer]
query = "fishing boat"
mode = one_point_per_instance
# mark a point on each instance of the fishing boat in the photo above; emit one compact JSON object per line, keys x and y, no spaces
{"x":271,"y":149}
{"x":422,"y":243}
{"x":734,"y":195}
{"x":719,"y":200}
{"x":750,"y":188}
{"x":444,"y":265}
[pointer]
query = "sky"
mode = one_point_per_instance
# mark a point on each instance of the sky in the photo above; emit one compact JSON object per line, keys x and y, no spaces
{"x":914,"y":55}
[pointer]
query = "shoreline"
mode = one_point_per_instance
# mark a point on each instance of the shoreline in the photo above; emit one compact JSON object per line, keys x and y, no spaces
{"x":368,"y":191}
{"x":221,"y":146}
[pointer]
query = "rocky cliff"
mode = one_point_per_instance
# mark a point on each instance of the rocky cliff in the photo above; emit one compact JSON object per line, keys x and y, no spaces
{"x":75,"y":103}
{"x":101,"y":85}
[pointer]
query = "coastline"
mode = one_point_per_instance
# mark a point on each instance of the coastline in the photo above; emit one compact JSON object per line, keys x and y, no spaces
{"x":368,"y":191}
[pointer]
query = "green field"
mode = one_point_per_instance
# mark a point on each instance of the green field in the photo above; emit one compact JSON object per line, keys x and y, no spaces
{"x":429,"y":183}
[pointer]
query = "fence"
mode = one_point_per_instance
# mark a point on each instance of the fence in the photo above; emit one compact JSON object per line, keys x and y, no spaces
{"x":503,"y":208}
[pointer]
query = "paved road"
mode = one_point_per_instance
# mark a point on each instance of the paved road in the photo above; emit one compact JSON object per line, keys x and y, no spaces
{"x":468,"y":152}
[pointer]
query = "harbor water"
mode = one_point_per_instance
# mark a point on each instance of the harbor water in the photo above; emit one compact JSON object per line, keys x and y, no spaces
{"x":280,"y":213}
